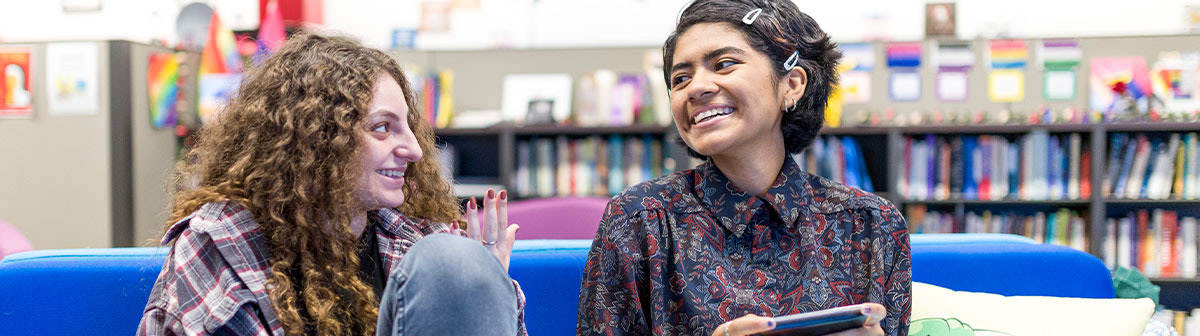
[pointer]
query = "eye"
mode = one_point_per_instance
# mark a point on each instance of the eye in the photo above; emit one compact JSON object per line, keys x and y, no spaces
{"x":680,"y":79}
{"x":725,"y":63}
{"x":381,"y":128}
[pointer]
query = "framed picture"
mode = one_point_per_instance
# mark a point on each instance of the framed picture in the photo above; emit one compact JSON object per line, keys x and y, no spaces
{"x":939,"y":19}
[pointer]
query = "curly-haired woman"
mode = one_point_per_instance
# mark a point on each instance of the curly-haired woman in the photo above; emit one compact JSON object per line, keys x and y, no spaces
{"x":312,"y":209}
{"x":719,"y":249}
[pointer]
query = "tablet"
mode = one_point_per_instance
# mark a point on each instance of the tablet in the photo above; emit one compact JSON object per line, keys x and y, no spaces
{"x":820,"y":322}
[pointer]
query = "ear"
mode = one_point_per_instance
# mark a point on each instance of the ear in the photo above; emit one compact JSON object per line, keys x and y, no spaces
{"x":793,"y":83}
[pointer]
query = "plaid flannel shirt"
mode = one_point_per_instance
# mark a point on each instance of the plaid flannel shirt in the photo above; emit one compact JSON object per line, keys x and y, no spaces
{"x":214,"y":280}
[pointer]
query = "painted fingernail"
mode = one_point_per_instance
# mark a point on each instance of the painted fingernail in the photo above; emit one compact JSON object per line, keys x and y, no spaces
{"x":866,"y":309}
{"x":504,"y":195}
{"x":770,"y":323}
{"x":471,"y":204}
{"x":490,"y":193}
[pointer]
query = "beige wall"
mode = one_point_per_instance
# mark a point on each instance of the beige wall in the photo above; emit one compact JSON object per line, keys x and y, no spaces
{"x":153,"y":155}
{"x":54,"y":170}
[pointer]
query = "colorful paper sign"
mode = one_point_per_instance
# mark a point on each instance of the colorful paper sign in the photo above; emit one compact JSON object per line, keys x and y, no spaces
{"x":162,"y":82}
{"x":16,"y":87}
{"x":72,"y":76}
{"x":904,"y":54}
{"x":1006,"y":86}
{"x":1007,"y":54}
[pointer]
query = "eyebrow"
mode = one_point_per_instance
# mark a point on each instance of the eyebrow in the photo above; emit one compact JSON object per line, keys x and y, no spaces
{"x":385,"y":113}
{"x":709,"y":56}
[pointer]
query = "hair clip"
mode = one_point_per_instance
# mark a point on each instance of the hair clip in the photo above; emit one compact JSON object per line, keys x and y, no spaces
{"x":791,"y":61}
{"x":751,"y":16}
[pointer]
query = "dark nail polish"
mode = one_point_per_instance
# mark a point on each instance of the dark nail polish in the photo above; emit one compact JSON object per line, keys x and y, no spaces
{"x":471,"y":204}
{"x":771,"y":323}
{"x":504,"y":195}
{"x":490,"y":193}
{"x":867,"y":310}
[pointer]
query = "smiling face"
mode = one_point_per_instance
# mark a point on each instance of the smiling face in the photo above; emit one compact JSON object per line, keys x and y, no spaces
{"x":389,"y":146}
{"x":724,"y":95}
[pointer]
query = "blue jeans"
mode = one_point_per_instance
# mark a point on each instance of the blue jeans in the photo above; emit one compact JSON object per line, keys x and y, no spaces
{"x":448,"y":285}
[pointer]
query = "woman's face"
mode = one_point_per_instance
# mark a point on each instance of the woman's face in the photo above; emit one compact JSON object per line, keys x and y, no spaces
{"x":389,"y":146}
{"x":723,"y":93}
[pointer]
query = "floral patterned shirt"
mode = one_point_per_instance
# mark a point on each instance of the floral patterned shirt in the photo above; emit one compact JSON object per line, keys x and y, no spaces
{"x":682,"y":254}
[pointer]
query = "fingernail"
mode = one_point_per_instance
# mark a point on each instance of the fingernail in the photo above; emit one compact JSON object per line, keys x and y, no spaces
{"x":770,"y":323}
{"x":866,"y":309}
{"x":471,"y":204}
{"x":490,"y":193}
{"x":504,"y":195}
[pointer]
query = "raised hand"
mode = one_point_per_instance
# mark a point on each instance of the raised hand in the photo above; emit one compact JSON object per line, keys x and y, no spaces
{"x":494,"y":231}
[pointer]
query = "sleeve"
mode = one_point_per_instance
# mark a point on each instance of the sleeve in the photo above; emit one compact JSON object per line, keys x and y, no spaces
{"x":609,"y":301}
{"x":898,"y":284}
{"x":520,"y":309}
{"x":158,"y":322}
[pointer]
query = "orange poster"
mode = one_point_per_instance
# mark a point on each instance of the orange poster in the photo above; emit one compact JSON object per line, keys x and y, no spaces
{"x":16,"y":89}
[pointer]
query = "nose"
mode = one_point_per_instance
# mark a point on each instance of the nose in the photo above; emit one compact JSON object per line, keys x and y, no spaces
{"x":701,"y":87}
{"x":407,"y":147}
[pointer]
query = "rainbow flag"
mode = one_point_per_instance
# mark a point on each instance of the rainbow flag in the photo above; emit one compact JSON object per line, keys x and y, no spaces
{"x":1007,"y":54}
{"x":220,"y":53}
{"x":271,"y":34}
{"x":163,"y":82}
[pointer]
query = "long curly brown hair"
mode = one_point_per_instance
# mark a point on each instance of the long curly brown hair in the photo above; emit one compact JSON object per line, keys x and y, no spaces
{"x":287,"y":147}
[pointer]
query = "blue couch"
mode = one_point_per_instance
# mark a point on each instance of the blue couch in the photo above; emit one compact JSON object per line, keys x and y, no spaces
{"x":103,"y":291}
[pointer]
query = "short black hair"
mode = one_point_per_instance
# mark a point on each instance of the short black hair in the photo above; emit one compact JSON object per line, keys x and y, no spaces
{"x":779,"y":30}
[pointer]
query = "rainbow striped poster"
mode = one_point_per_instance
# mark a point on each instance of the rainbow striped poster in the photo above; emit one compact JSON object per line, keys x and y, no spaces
{"x":1007,"y":54}
{"x":1007,"y":59}
{"x":162,"y":82}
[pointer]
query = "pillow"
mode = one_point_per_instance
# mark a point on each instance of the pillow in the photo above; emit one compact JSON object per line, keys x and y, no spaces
{"x":938,"y":311}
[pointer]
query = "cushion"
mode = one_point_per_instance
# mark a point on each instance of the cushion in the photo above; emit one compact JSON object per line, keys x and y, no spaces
{"x":938,"y":311}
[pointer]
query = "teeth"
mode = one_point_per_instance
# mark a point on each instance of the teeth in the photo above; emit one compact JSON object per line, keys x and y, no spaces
{"x":711,"y":113}
{"x":390,"y":173}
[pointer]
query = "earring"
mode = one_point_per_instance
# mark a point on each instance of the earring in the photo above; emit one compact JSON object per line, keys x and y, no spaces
{"x":789,"y":103}
{"x":795,"y":103}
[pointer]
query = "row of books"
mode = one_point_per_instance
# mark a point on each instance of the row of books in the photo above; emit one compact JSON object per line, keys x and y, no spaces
{"x":1185,"y":323}
{"x":1036,"y":166}
{"x":587,"y":166}
{"x":1153,"y":167}
{"x":1062,"y":227}
{"x":839,"y":159}
{"x":607,"y":98}
{"x":435,"y":95}
{"x":1160,"y":243}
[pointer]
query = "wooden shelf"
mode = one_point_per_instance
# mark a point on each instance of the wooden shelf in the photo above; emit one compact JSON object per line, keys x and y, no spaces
{"x":1153,"y":127}
{"x":579,"y":130}
{"x":855,"y":130}
{"x":1079,"y":202}
{"x":1153,"y":201}
{"x":494,"y":130}
{"x":995,"y":129}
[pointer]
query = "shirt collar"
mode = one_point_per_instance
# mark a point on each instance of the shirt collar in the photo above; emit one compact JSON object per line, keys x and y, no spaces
{"x":734,"y":207}
{"x":390,"y":221}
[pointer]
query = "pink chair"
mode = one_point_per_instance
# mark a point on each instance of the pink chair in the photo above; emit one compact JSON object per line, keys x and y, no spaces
{"x":12,"y":241}
{"x":557,"y":217}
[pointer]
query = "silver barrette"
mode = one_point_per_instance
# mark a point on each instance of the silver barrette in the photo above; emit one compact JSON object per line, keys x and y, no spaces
{"x":751,"y":16}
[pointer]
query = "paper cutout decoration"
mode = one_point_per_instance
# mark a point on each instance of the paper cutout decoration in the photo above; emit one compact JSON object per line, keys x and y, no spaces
{"x":1112,"y":79}
{"x":856,"y":87}
{"x":858,"y":56}
{"x":215,"y":90}
{"x":905,"y":86}
{"x":16,"y":87}
{"x":1006,"y":86}
{"x":72,"y":76}
{"x":1007,"y":54}
{"x":1059,"y":84}
{"x":1060,"y":59}
{"x":162,"y":84}
{"x":953,"y":61}
{"x":952,"y":85}
{"x":904,"y":55}
{"x":1174,"y":79}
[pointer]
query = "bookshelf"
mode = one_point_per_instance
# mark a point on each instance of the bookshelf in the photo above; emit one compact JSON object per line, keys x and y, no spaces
{"x":479,"y":87}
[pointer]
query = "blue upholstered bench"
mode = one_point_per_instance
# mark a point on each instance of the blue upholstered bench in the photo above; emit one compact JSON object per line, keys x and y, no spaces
{"x":103,"y":291}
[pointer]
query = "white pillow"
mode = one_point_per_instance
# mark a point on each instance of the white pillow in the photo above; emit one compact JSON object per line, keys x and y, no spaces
{"x":988,"y":313}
